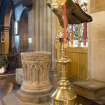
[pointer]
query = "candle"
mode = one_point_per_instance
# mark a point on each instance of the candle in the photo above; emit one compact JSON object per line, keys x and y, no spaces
{"x":85,"y":33}
{"x":65,"y":23}
{"x":72,"y":35}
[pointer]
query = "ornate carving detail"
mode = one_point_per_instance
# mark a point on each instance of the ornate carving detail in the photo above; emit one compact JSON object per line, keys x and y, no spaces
{"x":35,"y":70}
{"x":32,"y":71}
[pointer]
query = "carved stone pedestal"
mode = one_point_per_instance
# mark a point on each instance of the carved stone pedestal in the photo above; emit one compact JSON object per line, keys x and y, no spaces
{"x":36,"y":86}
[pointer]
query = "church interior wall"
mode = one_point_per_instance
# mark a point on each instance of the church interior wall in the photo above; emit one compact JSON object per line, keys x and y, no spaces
{"x":97,"y":43}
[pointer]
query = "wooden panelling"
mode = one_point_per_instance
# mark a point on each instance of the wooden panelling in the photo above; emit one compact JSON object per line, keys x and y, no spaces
{"x":77,"y":69}
{"x":5,"y":36}
{"x":23,"y":31}
{"x":6,"y":42}
{"x":2,"y":48}
{"x":24,"y":42}
{"x":97,"y":5}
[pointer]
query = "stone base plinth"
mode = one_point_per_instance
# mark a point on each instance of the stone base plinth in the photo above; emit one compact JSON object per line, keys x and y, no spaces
{"x":36,"y":85}
{"x":39,"y":97}
{"x":90,"y":89}
{"x":13,"y":100}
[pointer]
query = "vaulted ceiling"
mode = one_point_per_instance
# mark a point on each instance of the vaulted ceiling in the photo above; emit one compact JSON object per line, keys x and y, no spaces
{"x":6,"y":4}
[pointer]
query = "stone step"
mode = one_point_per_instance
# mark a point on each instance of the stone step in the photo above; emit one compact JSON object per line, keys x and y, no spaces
{"x":101,"y":100}
{"x":90,"y":89}
{"x":11,"y":99}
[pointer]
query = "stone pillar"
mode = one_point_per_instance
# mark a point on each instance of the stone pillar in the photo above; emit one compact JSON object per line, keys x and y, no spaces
{"x":36,"y":86}
{"x":96,"y":50}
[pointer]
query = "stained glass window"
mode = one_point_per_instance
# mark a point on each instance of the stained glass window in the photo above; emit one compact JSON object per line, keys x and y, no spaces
{"x":77,"y":33}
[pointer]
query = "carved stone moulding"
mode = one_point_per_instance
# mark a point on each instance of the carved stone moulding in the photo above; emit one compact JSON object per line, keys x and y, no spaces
{"x":36,"y":85}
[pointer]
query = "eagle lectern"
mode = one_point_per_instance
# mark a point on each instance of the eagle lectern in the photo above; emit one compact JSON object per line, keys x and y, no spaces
{"x":67,"y":13}
{"x":75,"y":15}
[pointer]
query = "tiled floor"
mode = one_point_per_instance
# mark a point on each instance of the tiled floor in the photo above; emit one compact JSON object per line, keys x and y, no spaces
{"x":11,"y":99}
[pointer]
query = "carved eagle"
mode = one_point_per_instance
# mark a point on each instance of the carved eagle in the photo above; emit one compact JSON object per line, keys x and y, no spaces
{"x":75,"y":15}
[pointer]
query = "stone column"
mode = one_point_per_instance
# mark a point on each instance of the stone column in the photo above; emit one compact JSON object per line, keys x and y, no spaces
{"x":36,"y":86}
